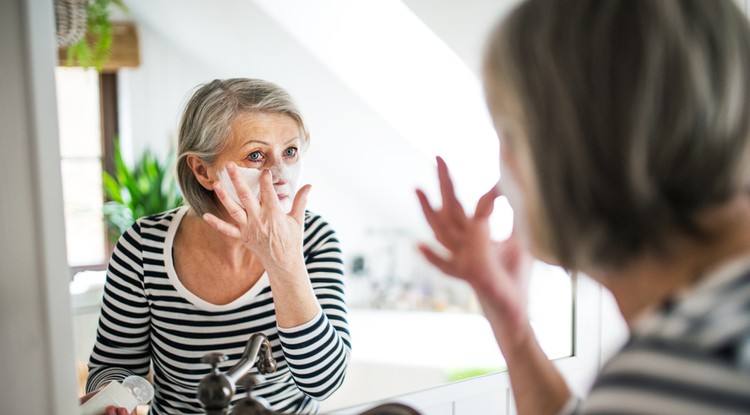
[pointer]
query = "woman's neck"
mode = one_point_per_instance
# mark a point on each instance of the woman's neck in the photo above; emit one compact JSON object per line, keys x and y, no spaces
{"x":649,"y":281}
{"x":232,"y":252}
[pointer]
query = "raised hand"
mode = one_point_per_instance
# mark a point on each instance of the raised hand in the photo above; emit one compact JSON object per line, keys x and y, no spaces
{"x":498,"y":271}
{"x":273,"y":236}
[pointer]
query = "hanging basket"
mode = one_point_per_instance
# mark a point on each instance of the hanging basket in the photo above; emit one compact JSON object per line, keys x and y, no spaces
{"x":70,"y":21}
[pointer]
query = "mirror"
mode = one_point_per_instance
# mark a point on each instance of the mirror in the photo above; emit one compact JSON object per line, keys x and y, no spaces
{"x":384,"y":86}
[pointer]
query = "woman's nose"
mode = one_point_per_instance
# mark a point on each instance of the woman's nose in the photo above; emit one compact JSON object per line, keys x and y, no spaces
{"x":278,"y":176}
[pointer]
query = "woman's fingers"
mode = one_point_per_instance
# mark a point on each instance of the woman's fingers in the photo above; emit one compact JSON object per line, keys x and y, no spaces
{"x":221,"y":226}
{"x":443,"y":229}
{"x":435,"y":259}
{"x":300,"y":203}
{"x":248,"y":201}
{"x":112,"y":410}
{"x":429,"y":213}
{"x":236,"y":211}
{"x":268,"y":197}
{"x":486,"y":203}
{"x":450,"y":203}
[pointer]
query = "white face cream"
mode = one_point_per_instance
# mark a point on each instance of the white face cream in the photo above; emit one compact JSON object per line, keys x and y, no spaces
{"x":285,"y":178}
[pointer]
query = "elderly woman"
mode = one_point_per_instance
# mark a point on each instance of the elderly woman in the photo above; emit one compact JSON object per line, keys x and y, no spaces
{"x":625,"y":151}
{"x":242,"y":257}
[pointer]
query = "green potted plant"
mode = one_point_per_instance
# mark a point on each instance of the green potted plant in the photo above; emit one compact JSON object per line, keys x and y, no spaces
{"x":148,"y":187}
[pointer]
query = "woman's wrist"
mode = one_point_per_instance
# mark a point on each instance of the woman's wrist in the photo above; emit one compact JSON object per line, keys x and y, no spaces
{"x":290,"y":268}
{"x":510,"y":322}
{"x":293,"y":293}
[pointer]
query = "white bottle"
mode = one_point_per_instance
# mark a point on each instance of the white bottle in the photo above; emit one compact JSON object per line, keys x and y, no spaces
{"x":133,"y":391}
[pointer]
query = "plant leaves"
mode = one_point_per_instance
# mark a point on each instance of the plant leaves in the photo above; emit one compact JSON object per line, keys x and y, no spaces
{"x":147,"y":188}
{"x":94,"y":49}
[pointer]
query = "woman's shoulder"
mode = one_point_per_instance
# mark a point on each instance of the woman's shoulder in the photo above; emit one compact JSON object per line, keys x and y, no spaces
{"x":318,"y":230}
{"x":313,"y":219}
{"x":160,"y":220}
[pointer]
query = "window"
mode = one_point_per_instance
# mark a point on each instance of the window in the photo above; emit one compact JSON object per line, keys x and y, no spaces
{"x":86,"y":102}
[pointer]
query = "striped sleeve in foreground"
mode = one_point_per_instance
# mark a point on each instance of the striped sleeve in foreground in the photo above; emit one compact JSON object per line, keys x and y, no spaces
{"x":644,"y":378}
{"x":318,"y":352}
{"x":122,"y":347}
{"x":316,"y":356}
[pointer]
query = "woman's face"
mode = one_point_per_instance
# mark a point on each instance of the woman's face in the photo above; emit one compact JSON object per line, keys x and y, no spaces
{"x":264,"y":141}
{"x":517,"y":184}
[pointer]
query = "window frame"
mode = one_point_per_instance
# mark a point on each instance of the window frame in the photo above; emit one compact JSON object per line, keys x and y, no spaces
{"x":109,"y":120}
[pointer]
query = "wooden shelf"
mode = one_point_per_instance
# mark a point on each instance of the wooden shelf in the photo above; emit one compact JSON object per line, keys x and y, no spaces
{"x":125,"y":49}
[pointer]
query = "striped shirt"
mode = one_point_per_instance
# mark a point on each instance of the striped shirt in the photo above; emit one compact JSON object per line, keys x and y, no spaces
{"x":149,"y":320}
{"x":691,"y":357}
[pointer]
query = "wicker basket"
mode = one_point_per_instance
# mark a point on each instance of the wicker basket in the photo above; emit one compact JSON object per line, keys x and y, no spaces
{"x":70,"y":21}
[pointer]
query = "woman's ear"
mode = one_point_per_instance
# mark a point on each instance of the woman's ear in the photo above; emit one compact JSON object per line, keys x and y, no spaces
{"x":200,"y":170}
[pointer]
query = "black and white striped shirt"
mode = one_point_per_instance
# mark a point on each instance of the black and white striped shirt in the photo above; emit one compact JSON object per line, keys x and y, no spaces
{"x":150,"y":320}
{"x":691,"y":357}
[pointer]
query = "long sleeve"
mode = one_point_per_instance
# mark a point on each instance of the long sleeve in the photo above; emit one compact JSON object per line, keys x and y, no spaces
{"x":122,"y":340}
{"x":318,"y":351}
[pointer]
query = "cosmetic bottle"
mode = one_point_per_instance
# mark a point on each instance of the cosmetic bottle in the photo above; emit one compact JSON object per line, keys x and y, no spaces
{"x":133,"y":391}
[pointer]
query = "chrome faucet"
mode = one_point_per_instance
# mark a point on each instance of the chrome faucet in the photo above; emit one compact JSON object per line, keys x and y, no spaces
{"x":215,"y":390}
{"x":257,"y":353}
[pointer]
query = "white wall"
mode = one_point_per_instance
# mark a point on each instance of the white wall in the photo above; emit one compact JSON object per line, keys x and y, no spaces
{"x":36,"y":348}
{"x":355,"y":156}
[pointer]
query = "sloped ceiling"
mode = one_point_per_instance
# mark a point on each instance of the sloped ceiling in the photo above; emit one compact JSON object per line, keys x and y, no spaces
{"x":462,"y":25}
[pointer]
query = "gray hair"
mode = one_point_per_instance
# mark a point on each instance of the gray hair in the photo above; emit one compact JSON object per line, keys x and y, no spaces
{"x":634,"y":114}
{"x":206,"y":122}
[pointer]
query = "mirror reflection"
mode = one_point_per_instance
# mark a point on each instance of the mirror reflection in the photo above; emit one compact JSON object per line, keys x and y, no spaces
{"x":379,"y":105}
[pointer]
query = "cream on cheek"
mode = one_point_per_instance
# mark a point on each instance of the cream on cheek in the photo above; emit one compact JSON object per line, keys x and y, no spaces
{"x":287,"y":175}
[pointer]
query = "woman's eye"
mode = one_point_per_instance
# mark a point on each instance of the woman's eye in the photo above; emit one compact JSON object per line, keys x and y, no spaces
{"x":290,"y":152}
{"x":255,"y":156}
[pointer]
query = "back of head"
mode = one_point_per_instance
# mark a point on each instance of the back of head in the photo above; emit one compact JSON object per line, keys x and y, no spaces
{"x":634,"y":113}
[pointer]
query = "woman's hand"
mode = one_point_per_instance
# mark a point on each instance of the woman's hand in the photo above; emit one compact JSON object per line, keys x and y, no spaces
{"x":111,"y":410}
{"x":498,"y":271}
{"x":276,"y":239}
{"x":270,"y":234}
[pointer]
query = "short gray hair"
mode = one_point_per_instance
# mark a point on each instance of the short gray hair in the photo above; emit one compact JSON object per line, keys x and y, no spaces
{"x":206,"y":122}
{"x":635,"y":114}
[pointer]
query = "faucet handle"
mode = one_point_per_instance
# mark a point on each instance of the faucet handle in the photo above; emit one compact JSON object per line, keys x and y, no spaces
{"x":251,"y":405}
{"x":214,"y":359}
{"x":266,"y":363}
{"x":266,"y":366}
{"x":215,"y":390}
